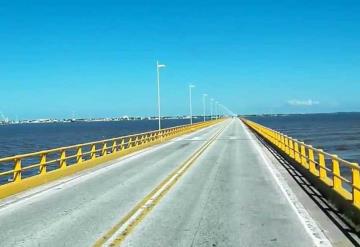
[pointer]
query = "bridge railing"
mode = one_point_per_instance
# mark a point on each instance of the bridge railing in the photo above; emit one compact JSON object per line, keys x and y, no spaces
{"x":24,"y":171}
{"x":338,"y":174}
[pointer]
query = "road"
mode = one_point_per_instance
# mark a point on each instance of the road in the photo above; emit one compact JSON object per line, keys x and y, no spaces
{"x":227,"y":197}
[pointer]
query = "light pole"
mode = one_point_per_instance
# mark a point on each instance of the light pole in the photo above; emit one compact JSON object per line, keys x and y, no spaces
{"x":216,"y":109}
{"x":190,"y":87}
{"x":204,"y":105}
{"x":158,"y":66}
{"x":222,"y":110}
{"x":211,"y":108}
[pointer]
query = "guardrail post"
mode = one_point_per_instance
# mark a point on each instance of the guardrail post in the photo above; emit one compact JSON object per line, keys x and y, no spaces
{"x":281,"y":144}
{"x":275,"y":138}
{"x":297,"y":152}
{"x":269,"y":135}
{"x":160,"y":135}
{"x":136,"y":142}
{"x":104,"y":149}
{"x":322,"y":166}
{"x":287,"y":149}
{"x":278,"y":140}
{"x":282,"y":141}
{"x":42,"y":167}
{"x":93,"y":151}
{"x":142,"y":140}
{"x":79,"y":157}
{"x":291,"y":147}
{"x":130,"y":144}
{"x":304,"y":157}
{"x":337,"y":183}
{"x":312,"y":167}
{"x":146,"y":138}
{"x":17,"y":170}
{"x":122,"y":145}
{"x":356,"y":186}
{"x":63,"y":159}
{"x":114,"y":147}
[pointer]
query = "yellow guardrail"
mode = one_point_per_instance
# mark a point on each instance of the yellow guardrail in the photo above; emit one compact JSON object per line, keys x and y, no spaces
{"x":25,"y":171}
{"x":339,"y":175}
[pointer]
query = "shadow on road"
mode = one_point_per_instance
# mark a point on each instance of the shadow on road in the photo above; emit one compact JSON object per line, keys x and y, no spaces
{"x":332,"y":213}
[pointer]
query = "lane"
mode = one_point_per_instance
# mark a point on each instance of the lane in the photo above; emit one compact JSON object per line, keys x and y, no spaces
{"x":227,"y":198}
{"x":127,"y":222}
{"x":78,"y":212}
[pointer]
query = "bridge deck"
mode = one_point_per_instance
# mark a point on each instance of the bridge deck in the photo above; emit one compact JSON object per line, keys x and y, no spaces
{"x":230,"y":196}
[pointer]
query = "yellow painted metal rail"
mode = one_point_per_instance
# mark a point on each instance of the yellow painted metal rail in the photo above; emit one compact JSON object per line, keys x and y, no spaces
{"x":339,"y":175}
{"x":25,"y":171}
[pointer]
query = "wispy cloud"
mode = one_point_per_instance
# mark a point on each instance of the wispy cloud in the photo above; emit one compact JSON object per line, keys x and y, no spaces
{"x":309,"y":102}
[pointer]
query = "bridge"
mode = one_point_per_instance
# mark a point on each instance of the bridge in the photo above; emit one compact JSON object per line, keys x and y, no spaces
{"x":226,"y":182}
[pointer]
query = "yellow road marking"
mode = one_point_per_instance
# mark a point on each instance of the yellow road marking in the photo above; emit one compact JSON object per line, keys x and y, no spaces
{"x":122,"y":229}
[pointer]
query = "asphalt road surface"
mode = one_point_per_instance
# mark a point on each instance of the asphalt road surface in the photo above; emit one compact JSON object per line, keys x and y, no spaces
{"x":227,"y":197}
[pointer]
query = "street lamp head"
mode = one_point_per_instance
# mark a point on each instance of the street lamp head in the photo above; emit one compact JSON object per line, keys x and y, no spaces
{"x":205,"y":95}
{"x":191,"y":85}
{"x":159,"y":65}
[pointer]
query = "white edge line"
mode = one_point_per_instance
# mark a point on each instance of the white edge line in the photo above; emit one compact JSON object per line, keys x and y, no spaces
{"x":306,"y":220}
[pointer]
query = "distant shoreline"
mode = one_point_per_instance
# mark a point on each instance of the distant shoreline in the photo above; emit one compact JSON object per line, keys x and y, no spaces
{"x":117,"y":119}
{"x":80,"y":120}
{"x":295,"y":114}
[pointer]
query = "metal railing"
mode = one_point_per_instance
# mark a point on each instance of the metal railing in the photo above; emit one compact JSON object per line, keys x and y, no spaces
{"x":19,"y":169}
{"x":338,"y":174}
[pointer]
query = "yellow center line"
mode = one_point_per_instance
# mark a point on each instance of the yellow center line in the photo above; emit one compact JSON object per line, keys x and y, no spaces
{"x":122,"y":229}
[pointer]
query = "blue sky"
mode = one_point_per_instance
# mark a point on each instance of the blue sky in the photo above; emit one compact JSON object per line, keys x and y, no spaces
{"x":97,"y":58}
